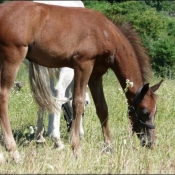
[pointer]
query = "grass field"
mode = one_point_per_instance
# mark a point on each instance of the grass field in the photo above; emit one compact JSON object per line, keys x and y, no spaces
{"x":128,"y":156}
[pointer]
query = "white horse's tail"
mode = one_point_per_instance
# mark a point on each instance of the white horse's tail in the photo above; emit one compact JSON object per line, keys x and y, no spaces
{"x":40,"y":87}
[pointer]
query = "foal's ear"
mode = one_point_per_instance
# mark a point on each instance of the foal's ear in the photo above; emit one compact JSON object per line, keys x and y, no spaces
{"x":144,"y":90}
{"x":156,"y":86}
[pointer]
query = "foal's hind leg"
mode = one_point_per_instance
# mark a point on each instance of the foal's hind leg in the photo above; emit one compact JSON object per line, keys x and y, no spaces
{"x":8,"y":73}
{"x":10,"y":61}
{"x":95,"y":85}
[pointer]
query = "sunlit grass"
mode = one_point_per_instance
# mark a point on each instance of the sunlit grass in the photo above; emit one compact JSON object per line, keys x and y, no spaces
{"x":128,"y":157}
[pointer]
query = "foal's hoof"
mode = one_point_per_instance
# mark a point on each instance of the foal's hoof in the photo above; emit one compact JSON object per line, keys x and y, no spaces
{"x":16,"y":156}
{"x":76,"y":155}
{"x":2,"y":159}
{"x":108,"y":149}
{"x":76,"y":152}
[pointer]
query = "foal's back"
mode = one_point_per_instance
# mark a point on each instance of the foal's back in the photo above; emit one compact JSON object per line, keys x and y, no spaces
{"x":57,"y":33}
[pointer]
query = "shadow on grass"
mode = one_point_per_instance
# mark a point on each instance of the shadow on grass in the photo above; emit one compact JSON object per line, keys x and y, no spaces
{"x":24,"y":136}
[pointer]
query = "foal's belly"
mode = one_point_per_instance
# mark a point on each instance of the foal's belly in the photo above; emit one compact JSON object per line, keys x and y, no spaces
{"x":49,"y":58}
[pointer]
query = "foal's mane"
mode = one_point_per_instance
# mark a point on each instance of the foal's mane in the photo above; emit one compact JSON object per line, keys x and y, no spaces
{"x":140,"y":52}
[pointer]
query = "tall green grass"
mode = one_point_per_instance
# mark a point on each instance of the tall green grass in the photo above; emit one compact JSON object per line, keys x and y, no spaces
{"x":128,"y":157}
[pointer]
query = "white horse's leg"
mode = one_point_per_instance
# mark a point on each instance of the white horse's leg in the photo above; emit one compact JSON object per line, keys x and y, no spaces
{"x":54,"y":130}
{"x":51,"y":116}
{"x":54,"y":119}
{"x":40,"y":127}
{"x":2,"y":158}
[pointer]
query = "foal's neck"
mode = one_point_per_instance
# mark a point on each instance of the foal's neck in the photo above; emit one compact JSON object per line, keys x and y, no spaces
{"x":128,"y":72}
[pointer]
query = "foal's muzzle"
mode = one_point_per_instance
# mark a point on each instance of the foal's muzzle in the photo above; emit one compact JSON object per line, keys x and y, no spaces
{"x":147,"y":138}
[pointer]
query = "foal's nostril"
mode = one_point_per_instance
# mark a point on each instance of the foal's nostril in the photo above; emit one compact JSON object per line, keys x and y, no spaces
{"x":150,"y":138}
{"x":149,"y":145}
{"x":146,"y":140}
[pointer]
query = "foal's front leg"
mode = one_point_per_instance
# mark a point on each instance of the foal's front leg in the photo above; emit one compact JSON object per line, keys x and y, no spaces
{"x":81,"y":77}
{"x":96,"y":88}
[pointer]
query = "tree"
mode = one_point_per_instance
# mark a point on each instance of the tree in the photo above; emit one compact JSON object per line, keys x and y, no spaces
{"x":155,"y":3}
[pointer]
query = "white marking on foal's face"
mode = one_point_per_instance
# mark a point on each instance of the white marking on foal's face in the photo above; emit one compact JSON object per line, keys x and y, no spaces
{"x":154,"y":112}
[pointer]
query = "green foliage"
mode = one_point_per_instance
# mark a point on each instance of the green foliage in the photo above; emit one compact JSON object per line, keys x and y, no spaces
{"x":171,"y":27}
{"x":163,"y":53}
{"x":156,"y":28}
{"x":168,"y":6}
{"x":2,"y":1}
{"x":155,"y":3}
{"x":149,"y":23}
{"x":100,"y":6}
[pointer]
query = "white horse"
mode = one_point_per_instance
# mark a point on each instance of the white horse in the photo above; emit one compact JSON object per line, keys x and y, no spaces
{"x":63,"y":92}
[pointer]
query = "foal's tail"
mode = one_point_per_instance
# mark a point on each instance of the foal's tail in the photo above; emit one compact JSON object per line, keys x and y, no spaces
{"x":40,"y":87}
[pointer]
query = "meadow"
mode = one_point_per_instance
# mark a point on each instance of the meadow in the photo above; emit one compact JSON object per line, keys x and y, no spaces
{"x":128,"y":156}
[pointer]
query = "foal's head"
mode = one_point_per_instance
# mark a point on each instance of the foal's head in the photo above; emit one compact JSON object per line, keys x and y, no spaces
{"x":142,"y":114}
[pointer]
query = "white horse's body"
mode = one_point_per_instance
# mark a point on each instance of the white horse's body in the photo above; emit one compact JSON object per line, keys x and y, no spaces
{"x":63,"y":90}
{"x":64,"y":3}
